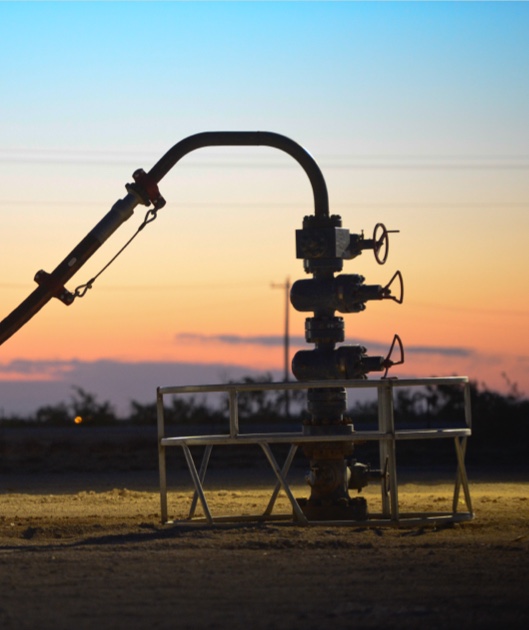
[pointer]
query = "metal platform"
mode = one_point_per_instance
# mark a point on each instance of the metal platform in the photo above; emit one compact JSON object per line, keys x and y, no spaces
{"x":387,"y":435}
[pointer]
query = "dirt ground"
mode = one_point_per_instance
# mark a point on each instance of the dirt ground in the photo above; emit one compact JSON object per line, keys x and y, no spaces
{"x":89,"y":551}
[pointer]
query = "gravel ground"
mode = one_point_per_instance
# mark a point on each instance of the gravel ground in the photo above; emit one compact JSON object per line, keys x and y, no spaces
{"x":88,"y":550}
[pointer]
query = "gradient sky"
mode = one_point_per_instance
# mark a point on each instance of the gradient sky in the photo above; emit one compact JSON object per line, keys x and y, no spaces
{"x":417,"y":114}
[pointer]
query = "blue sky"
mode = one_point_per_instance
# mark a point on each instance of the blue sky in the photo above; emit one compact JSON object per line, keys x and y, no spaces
{"x":141,"y":70}
{"x":416,"y":113}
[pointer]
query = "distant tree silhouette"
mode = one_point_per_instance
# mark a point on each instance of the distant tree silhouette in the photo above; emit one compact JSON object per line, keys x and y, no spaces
{"x":83,"y":405}
{"x":182,"y":410}
{"x":265,"y":405}
{"x":54,"y":414}
{"x":500,"y":422}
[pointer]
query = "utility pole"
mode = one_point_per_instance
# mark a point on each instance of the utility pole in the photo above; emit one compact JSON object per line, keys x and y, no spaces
{"x":286,"y":288}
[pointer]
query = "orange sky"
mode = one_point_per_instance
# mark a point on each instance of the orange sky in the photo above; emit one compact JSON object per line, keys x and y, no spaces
{"x":208,"y":269}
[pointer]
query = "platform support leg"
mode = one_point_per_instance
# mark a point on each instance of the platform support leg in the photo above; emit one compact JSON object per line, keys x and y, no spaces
{"x":198,"y":484}
{"x":162,"y":471}
{"x":461,"y":478}
{"x":201,"y":476}
{"x":386,"y":424}
{"x":283,"y":482}
{"x":284,"y":472}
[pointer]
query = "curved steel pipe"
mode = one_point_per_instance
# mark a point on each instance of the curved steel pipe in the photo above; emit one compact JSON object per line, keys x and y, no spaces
{"x":52,"y":285}
{"x":249,"y":138}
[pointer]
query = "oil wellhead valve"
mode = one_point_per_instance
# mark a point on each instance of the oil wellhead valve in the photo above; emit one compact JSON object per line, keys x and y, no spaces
{"x":324,"y":244}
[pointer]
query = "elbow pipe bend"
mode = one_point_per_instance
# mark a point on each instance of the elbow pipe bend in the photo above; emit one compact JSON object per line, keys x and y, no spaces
{"x":248,"y":138}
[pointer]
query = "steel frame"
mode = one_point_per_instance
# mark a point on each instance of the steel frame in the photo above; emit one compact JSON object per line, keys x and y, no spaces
{"x":387,"y":436}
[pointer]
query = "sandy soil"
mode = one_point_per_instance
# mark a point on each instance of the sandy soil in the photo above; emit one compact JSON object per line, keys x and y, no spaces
{"x":82,"y":551}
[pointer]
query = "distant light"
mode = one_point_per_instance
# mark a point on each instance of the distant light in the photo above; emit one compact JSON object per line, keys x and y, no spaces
{"x":77,"y":419}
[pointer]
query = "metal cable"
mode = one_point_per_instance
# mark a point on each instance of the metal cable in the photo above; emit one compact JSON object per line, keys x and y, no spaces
{"x":82,"y":289}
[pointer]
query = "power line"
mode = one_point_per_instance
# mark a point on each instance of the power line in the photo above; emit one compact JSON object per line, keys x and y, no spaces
{"x":281,"y":204}
{"x":160,"y":287}
{"x":362,"y":162}
{"x":220,"y":151}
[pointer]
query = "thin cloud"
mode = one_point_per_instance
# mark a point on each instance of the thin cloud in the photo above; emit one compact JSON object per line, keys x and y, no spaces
{"x":234,"y":340}
{"x":36,"y":370}
{"x":299,"y":342}
{"x":447,"y":351}
{"x":27,"y":385}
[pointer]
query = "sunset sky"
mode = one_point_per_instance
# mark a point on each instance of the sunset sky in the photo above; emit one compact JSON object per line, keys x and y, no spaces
{"x":417,"y":114}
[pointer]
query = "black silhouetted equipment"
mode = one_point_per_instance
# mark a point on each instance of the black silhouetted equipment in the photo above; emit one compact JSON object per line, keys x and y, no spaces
{"x":323,"y":244}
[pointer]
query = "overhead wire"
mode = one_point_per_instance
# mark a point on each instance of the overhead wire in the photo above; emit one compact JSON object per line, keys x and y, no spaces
{"x":280,"y":204}
{"x":362,"y":161}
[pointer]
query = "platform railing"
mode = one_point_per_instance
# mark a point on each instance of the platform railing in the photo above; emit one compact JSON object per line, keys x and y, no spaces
{"x":386,"y":434}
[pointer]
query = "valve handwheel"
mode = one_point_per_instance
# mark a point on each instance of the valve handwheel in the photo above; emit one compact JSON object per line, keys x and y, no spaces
{"x":381,"y":243}
{"x":387,"y":361}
